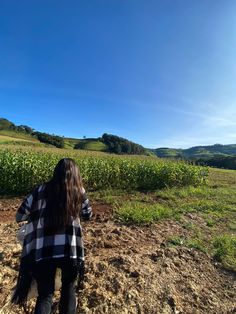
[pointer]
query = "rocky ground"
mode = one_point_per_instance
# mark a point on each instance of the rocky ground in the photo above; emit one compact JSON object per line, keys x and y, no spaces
{"x":130,"y":269}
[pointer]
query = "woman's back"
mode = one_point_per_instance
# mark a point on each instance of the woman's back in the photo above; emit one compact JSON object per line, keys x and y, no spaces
{"x":39,"y":239}
{"x":53,"y":237}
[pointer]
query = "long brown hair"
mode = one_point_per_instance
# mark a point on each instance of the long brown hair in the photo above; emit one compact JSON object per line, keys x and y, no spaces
{"x":64,"y":195}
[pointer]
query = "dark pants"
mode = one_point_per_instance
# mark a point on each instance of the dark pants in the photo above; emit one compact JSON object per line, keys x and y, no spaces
{"x":44,"y":274}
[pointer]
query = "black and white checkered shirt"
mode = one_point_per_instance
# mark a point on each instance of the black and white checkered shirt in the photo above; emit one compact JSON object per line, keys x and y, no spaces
{"x":68,"y":243}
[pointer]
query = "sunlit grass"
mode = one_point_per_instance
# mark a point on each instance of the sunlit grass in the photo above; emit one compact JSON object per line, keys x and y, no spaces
{"x":204,"y":212}
{"x":225,"y":250}
{"x":139,"y":213}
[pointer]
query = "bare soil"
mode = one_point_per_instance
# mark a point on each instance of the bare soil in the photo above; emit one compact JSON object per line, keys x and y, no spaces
{"x":130,"y":269}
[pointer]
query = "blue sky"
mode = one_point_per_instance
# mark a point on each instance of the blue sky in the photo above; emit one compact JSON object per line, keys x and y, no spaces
{"x":161,"y":73}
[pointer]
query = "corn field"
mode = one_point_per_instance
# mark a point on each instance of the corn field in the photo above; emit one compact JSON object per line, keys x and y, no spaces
{"x":23,"y":169}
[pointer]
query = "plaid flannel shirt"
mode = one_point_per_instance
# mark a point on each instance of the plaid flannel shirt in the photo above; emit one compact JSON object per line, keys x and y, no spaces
{"x":68,"y":243}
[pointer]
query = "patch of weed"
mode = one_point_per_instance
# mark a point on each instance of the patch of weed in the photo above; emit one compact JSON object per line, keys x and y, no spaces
{"x":225,"y":250}
{"x":197,"y":243}
{"x":210,"y":222}
{"x":232,"y":226}
{"x":175,"y":240}
{"x":141,"y":213}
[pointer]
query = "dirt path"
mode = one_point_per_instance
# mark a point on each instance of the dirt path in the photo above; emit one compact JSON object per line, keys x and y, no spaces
{"x":131,"y":269}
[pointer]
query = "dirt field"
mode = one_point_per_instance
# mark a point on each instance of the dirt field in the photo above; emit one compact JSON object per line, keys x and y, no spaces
{"x":130,"y":269}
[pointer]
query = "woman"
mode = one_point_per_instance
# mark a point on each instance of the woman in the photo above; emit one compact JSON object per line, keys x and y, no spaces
{"x":53,"y":238}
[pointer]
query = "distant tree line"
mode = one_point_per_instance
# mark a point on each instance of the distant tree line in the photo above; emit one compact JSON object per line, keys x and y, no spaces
{"x":119,"y":145}
{"x":50,"y":139}
{"x":226,"y":162}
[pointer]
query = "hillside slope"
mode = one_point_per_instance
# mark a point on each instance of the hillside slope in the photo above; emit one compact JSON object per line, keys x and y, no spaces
{"x":10,"y":133}
{"x":197,"y":152}
{"x":10,"y":137}
{"x":107,"y":143}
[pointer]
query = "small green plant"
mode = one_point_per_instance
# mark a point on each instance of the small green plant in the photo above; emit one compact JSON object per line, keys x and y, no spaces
{"x":210,"y":222}
{"x":225,"y":250}
{"x":196,"y":243}
{"x":175,"y":240}
{"x":232,"y":226}
{"x":189,"y":226}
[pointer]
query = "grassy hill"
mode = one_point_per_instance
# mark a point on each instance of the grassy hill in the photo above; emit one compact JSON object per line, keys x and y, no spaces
{"x":24,"y":135}
{"x":92,"y":144}
{"x":15,"y":137}
{"x":10,"y":132}
{"x":87,"y":144}
{"x":167,"y":152}
{"x":197,"y":152}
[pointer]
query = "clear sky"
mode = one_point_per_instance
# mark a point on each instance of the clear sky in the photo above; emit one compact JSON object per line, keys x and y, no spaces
{"x":161,"y":73}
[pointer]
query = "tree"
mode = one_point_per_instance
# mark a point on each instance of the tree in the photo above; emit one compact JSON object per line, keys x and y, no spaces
{"x":120,"y":145}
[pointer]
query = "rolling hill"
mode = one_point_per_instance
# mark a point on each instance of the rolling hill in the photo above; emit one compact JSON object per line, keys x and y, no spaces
{"x":197,"y":152}
{"x":11,"y":133}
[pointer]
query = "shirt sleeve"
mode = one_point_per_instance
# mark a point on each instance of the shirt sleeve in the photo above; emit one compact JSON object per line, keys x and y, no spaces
{"x":86,"y":209}
{"x":24,"y":210}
